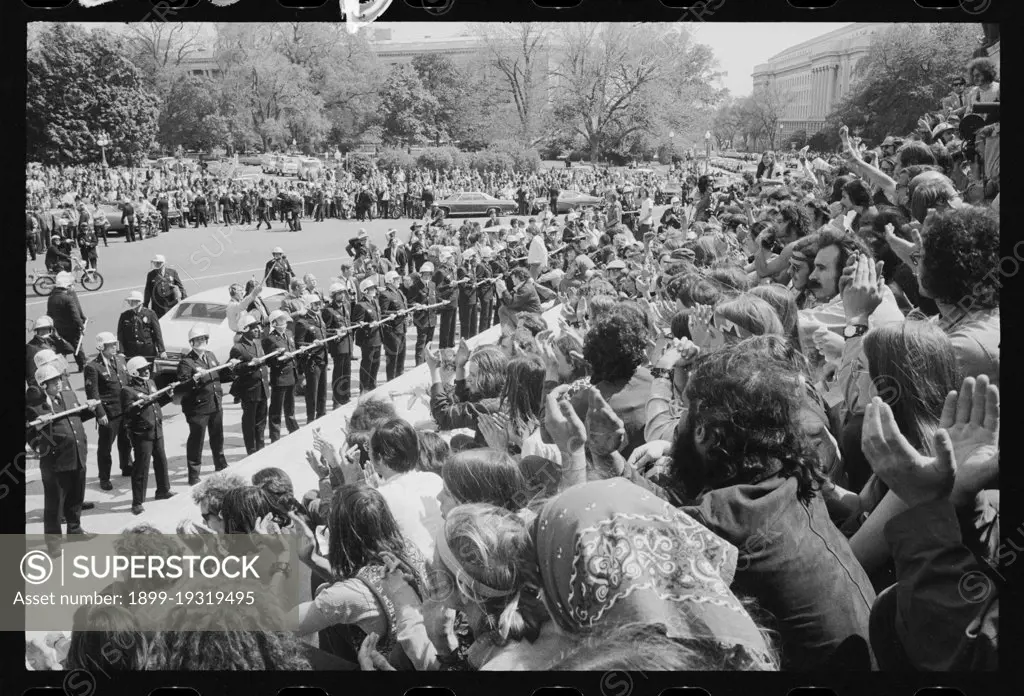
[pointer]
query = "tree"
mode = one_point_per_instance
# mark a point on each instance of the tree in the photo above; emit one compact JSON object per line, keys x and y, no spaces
{"x":621,"y":83}
{"x":727,"y":123}
{"x":158,"y":49}
{"x":78,"y":85}
{"x":190,"y":109}
{"x":767,"y":105}
{"x":408,"y":109}
{"x":825,"y":140}
{"x":799,"y":137}
{"x":905,"y":74}
{"x":520,"y":52}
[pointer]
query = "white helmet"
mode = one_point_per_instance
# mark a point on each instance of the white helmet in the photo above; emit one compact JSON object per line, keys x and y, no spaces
{"x":367,"y":284}
{"x":197,"y":331}
{"x":246,"y":321}
{"x":43,"y":357}
{"x":45,"y":373}
{"x":277,"y":250}
{"x":427,"y":268}
{"x":309,"y":298}
{"x":134,"y":296}
{"x":279,"y":315}
{"x":64,"y":280}
{"x":159,"y":260}
{"x":391,"y":277}
{"x":137,"y":363}
{"x":43,"y":322}
{"x":104,"y":339}
{"x":336,"y":288}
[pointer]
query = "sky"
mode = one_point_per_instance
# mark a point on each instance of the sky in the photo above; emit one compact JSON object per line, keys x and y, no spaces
{"x":739,"y":46}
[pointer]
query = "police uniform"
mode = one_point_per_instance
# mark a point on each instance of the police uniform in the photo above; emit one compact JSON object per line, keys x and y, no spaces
{"x":499,"y":269}
{"x":37,"y":343}
{"x":144,"y":424}
{"x":469,"y":308}
{"x":63,"y":451}
{"x":369,"y":340}
{"x":252,"y":387}
{"x":279,"y":273}
{"x":392,"y":301}
{"x":138,"y":332}
{"x":87,"y":243}
{"x":201,"y":404}
{"x":164,"y":289}
{"x":444,"y":281}
{"x":341,"y":351}
{"x":283,"y":376}
{"x":425,"y":320}
{"x":68,"y":319}
{"x":485,"y":295}
{"x":309,"y":328}
{"x":104,"y":379}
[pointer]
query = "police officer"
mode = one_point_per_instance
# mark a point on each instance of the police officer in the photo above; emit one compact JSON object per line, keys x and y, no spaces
{"x":252,"y":382}
{"x":469,"y":307}
{"x":200,"y":210}
{"x":44,"y":339}
{"x":337,"y":317}
{"x":282,"y":375}
{"x":310,"y":328}
{"x":138,"y":330}
{"x":144,"y":423}
{"x":485,"y":289}
{"x":100,"y":224}
{"x":87,"y":243}
{"x":420,"y":291}
{"x":392,"y":303}
{"x":447,"y":291}
{"x":62,"y":449}
{"x":66,"y":311}
{"x":263,"y":209}
{"x":105,"y":375}
{"x":128,"y":220}
{"x":164,"y":288}
{"x":278,"y":270}
{"x":201,"y":402}
{"x":48,"y":357}
{"x":369,"y":338}
{"x":357,"y":248}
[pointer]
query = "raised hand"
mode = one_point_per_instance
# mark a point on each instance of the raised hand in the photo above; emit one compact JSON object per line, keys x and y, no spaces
{"x":563,"y":425}
{"x":495,"y":429}
{"x":864,"y":294}
{"x":605,"y":430}
{"x":971,"y":417}
{"x":430,"y":357}
{"x":462,"y":354}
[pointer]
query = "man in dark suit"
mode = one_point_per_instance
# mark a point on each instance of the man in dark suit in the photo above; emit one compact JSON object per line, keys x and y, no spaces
{"x":419,"y":290}
{"x":447,"y":291}
{"x":199,"y":206}
{"x":143,"y":420}
{"x":499,"y":269}
{"x":309,"y":328}
{"x":282,"y":375}
{"x":251,"y":385}
{"x":369,"y":338}
{"x":105,"y":375}
{"x":163,"y":206}
{"x":164,"y":288}
{"x":392,"y":303}
{"x":278,"y":270}
{"x":128,"y":220}
{"x":201,"y":402}
{"x":66,"y":311}
{"x":138,"y":330}
{"x":524,"y":297}
{"x":62,"y":449}
{"x":485,"y":289}
{"x":469,"y":306}
{"x":337,"y":317}
{"x":44,"y":339}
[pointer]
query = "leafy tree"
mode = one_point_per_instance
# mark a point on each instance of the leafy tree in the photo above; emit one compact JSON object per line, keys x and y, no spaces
{"x":825,"y":140}
{"x":191,"y":115}
{"x":905,"y":74}
{"x":395,"y":159}
{"x":766,"y":107}
{"x":408,"y":109}
{"x":799,"y":137}
{"x":79,"y":84}
{"x":727,"y":123}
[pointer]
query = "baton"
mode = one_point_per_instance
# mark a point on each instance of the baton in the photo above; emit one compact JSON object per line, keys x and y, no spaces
{"x":78,"y":346}
{"x":203,"y":373}
{"x":154,"y":395}
{"x":50,"y":417}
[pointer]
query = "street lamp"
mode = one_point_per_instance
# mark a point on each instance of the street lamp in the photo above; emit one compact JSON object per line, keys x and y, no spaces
{"x":707,"y":150}
{"x":103,"y":140}
{"x":780,"y":135}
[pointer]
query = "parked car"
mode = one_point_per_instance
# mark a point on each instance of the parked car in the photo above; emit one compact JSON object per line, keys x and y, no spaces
{"x":310,"y":168}
{"x":208,"y":308}
{"x":250,"y":160}
{"x":567,"y":200}
{"x":475,"y":203}
{"x":268,"y":163}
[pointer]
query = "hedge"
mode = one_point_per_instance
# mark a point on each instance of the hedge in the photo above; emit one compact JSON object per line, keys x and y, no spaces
{"x":395,"y":159}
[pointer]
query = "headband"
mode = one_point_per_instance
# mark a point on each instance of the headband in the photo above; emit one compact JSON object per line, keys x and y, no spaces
{"x":455,"y":567}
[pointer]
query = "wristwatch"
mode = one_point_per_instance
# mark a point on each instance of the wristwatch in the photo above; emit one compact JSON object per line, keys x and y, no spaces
{"x":854,"y":330}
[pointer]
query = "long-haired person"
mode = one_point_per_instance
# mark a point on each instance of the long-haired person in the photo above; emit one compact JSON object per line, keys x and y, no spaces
{"x":483,"y":476}
{"x":107,"y":638}
{"x":480,"y":377}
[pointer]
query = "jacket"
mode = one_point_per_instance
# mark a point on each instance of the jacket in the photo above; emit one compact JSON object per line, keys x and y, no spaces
{"x":282,"y":372}
{"x":65,"y":310}
{"x":467,"y":291}
{"x":485,"y":293}
{"x":204,"y":398}
{"x":279,"y":273}
{"x":525,"y":299}
{"x":54,"y":342}
{"x":338,"y":318}
{"x":452,"y":408}
{"x":391,"y":302}
{"x":250,"y":383}
{"x":145,"y":420}
{"x":160,"y":292}
{"x":105,"y":383}
{"x":367,"y":311}
{"x":420,"y":292}
{"x":308,"y":329}
{"x":139,"y":333}
{"x":61,"y":444}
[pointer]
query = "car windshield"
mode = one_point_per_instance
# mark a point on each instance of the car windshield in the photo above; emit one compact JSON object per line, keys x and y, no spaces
{"x":207,"y":312}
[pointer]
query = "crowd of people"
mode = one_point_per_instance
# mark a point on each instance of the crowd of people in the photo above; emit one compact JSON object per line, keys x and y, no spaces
{"x":761,"y":434}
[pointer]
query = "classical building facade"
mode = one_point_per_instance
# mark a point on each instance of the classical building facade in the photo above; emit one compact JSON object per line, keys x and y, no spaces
{"x":815,"y":75}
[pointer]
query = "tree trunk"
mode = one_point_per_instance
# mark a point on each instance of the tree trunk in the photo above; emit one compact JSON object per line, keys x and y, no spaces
{"x":595,"y":147}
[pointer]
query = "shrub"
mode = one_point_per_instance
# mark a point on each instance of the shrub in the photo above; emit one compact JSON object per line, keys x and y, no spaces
{"x":393,"y":158}
{"x":441,"y":159}
{"x":360,"y":164}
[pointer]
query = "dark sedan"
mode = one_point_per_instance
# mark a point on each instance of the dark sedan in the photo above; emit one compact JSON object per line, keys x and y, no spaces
{"x":567,"y":200}
{"x":475,"y":203}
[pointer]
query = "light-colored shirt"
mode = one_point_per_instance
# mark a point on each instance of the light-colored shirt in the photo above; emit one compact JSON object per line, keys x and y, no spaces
{"x":538,"y":251}
{"x":412,"y":498}
{"x":235,"y":311}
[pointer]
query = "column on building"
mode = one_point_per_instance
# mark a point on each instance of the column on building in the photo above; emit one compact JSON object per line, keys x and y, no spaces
{"x":814,"y":91}
{"x":830,"y":78}
{"x":816,"y":108}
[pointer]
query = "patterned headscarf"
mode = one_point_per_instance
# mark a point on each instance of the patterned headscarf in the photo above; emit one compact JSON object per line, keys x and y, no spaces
{"x":609,"y":551}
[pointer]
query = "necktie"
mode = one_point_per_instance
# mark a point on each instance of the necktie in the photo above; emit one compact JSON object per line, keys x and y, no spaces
{"x":58,"y":404}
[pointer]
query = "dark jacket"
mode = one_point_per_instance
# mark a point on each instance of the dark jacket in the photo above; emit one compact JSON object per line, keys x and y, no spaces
{"x":159,"y":293}
{"x":139,"y":333}
{"x":61,"y":444}
{"x":105,"y":383}
{"x":452,"y":408}
{"x":204,"y":398}
{"x":485,"y":293}
{"x":250,"y":383}
{"x":338,"y":318}
{"x":145,"y":420}
{"x":282,"y":372}
{"x":279,"y":273}
{"x":444,"y":283}
{"x":392,"y":333}
{"x":467,"y":291}
{"x":308,"y":329}
{"x":525,"y":299}
{"x":65,"y":310}
{"x":419,"y":292}
{"x":367,"y":311}
{"x":55,"y":343}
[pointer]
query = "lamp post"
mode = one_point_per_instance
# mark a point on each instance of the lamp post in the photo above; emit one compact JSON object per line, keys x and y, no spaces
{"x":103,"y":140}
{"x":780,"y":135}
{"x":707,"y":150}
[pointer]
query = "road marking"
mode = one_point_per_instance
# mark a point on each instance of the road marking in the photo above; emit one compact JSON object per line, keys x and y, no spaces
{"x":85,"y":294}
